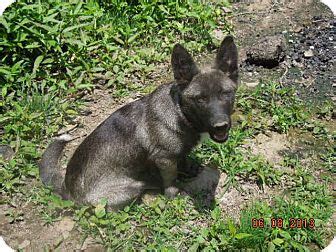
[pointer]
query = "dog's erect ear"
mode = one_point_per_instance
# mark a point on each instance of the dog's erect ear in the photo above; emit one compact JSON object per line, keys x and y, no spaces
{"x":227,"y":58}
{"x":184,"y":67}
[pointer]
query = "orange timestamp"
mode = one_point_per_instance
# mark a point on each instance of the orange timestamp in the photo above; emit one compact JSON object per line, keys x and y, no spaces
{"x":281,"y":223}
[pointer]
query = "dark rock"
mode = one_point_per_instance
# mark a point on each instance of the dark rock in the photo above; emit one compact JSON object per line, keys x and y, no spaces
{"x":267,"y":52}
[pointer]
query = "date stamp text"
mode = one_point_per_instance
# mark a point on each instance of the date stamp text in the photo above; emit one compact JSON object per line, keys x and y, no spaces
{"x":282,"y":223}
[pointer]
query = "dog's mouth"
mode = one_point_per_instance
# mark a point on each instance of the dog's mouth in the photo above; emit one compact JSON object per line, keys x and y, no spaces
{"x":219,"y":136}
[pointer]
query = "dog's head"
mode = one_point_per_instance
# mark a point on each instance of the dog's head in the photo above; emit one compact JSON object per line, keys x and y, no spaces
{"x":207,"y":96}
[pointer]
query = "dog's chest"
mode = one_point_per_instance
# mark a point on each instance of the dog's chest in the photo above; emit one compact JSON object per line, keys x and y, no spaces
{"x":203,"y":137}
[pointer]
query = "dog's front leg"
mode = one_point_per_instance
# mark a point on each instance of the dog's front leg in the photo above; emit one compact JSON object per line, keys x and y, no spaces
{"x":168,"y":171}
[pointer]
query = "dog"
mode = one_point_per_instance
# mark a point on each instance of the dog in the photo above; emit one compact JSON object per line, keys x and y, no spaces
{"x":144,"y":144}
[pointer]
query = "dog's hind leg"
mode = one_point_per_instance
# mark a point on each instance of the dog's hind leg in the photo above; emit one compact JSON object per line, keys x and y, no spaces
{"x":119,"y":191}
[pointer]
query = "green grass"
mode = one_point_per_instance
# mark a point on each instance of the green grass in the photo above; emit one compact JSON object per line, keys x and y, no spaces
{"x":51,"y":53}
{"x":272,"y":106}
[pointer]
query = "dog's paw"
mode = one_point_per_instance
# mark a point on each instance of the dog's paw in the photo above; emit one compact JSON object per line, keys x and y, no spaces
{"x":171,"y":192}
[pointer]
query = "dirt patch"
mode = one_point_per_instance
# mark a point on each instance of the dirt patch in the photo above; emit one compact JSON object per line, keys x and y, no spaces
{"x":271,"y":146}
{"x":232,"y":200}
{"x":23,"y":228}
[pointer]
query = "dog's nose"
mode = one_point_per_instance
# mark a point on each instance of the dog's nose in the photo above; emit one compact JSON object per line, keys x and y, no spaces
{"x":221,"y":125}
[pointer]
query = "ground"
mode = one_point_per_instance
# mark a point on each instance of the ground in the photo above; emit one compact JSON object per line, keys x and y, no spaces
{"x":21,"y":222}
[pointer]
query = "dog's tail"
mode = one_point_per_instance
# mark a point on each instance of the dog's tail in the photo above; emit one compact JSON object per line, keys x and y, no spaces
{"x":49,"y":166}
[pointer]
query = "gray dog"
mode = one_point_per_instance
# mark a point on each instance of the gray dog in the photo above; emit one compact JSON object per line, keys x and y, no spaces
{"x":145,"y":143}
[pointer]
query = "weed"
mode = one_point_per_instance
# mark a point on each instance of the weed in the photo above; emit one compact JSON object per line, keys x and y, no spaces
{"x":272,"y":106}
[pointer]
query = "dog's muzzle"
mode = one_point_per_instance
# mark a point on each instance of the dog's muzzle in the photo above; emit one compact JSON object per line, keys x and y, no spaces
{"x":220,"y":132}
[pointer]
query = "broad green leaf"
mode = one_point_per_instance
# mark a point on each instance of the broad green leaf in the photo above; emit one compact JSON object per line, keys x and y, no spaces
{"x":84,"y":86}
{"x":75,"y":42}
{"x":76,"y":27}
{"x":97,"y":69}
{"x":285,"y":234}
{"x":132,"y":38}
{"x":4,"y":91}
{"x":271,"y":247}
{"x":232,"y":228}
{"x":240,"y":236}
{"x":117,"y":39}
{"x":278,"y":241}
{"x":37,"y":63}
{"x":48,"y":61}
{"x":33,"y":45}
{"x":51,"y":18}
{"x":78,"y":7}
{"x":4,"y":23}
{"x":5,"y":71}
{"x":100,"y":208}
{"x":194,"y":247}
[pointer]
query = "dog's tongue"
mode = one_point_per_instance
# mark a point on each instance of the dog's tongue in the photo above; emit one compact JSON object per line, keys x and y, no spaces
{"x":220,"y":136}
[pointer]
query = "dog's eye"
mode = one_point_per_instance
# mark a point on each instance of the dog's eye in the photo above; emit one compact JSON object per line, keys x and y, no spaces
{"x":201,"y":99}
{"x":224,"y":93}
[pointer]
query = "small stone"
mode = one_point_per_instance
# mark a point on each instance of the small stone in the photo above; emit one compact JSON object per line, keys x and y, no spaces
{"x":251,"y":84}
{"x":227,"y":10}
{"x":298,"y":29}
{"x":297,"y":64}
{"x":308,"y":54}
{"x":218,"y":34}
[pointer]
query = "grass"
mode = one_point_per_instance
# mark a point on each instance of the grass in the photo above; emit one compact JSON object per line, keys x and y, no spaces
{"x":44,"y":70}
